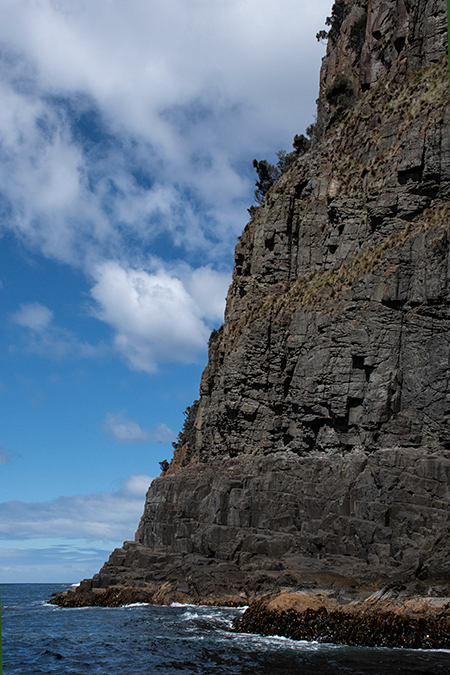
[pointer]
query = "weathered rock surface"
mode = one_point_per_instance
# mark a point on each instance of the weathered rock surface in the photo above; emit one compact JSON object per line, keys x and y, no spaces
{"x":322,"y":445}
{"x":243,"y":526}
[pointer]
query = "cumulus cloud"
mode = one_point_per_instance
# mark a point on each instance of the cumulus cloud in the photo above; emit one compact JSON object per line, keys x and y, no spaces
{"x":127,"y":133}
{"x":46,"y":339}
{"x":122,"y":116}
{"x":33,"y":315}
{"x":128,"y":432}
{"x":154,"y":316}
{"x":111,"y":516}
{"x":123,"y":430}
{"x":208,"y":290}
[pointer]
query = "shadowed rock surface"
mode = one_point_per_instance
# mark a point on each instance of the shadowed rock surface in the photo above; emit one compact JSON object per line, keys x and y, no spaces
{"x":321,"y":456}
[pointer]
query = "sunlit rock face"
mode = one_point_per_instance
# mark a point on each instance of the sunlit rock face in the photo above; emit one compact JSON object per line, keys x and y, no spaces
{"x":336,"y":321}
{"x":322,"y":439}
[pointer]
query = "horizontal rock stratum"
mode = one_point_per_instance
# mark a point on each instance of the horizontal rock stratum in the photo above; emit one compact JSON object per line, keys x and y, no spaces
{"x":320,"y":453}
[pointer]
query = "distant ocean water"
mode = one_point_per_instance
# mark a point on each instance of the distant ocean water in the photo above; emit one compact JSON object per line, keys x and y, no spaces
{"x":144,"y":639}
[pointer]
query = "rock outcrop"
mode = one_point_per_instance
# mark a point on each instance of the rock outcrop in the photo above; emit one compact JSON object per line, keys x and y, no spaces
{"x":322,"y":440}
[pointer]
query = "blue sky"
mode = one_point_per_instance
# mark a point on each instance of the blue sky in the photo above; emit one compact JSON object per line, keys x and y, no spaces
{"x":127,"y":134}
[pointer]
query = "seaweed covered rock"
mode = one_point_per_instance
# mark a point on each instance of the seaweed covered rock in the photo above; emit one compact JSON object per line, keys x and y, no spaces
{"x":375,"y":629}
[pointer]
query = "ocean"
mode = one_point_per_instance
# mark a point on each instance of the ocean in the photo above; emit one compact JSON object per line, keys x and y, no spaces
{"x":144,"y":639}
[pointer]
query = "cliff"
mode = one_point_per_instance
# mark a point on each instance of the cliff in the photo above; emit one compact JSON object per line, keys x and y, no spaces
{"x":321,"y":455}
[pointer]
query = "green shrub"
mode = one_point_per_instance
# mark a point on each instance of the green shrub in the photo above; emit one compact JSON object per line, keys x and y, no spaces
{"x":358,"y":34}
{"x":267,"y":176}
{"x":340,"y":93}
{"x":215,"y":333}
{"x":285,"y":160}
{"x":314,"y":132}
{"x":301,"y":144}
{"x":187,"y":434}
{"x":338,"y":13}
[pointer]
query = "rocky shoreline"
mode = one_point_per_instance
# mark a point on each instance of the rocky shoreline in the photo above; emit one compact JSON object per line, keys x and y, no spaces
{"x":374,"y":629}
{"x":394,"y":616}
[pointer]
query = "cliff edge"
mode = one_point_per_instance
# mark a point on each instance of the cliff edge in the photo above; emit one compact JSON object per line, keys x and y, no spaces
{"x":320,"y":453}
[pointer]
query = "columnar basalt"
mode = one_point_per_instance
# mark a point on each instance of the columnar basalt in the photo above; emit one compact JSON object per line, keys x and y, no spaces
{"x":322,"y":439}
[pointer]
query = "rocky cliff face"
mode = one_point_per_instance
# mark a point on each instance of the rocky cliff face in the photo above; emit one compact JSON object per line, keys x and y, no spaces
{"x":322,"y":449}
{"x":340,"y":283}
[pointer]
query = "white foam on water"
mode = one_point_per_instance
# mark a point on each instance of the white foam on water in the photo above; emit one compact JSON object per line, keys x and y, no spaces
{"x":441,"y":649}
{"x":281,"y":641}
{"x":189,"y":616}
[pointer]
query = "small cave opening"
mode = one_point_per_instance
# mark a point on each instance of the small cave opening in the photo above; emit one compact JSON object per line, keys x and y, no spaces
{"x":399,"y":43}
{"x":358,"y":362}
{"x":340,"y":424}
{"x":270,"y":243}
{"x":299,"y":188}
{"x":414,"y":175}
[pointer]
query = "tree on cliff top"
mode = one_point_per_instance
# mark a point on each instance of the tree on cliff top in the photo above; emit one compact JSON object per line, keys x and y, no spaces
{"x":267,"y":176}
{"x":339,"y":11}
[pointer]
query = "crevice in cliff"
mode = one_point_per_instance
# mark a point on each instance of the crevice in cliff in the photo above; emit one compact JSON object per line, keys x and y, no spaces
{"x":412,"y":175}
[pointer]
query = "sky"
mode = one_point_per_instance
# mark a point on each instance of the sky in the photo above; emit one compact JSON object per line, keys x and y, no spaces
{"x":127,"y":134}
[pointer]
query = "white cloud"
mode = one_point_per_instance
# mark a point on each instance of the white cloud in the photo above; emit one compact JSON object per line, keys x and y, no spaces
{"x":123,"y":430}
{"x":154,"y":316}
{"x":127,"y":132}
{"x":40,"y":335}
{"x":46,"y":339}
{"x":128,"y":432}
{"x":137,"y":485}
{"x":184,"y":92}
{"x":52,"y":561}
{"x":208,"y":290}
{"x":112,"y":516}
{"x":33,"y":315}
{"x":43,"y":176}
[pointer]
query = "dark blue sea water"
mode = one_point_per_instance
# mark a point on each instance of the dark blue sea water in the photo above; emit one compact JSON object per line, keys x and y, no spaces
{"x":143,"y":639}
